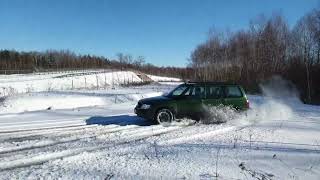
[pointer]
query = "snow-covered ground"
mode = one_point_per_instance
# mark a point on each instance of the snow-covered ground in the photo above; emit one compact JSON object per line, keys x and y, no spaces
{"x":163,"y":79}
{"x":14,"y":84}
{"x":93,"y":134}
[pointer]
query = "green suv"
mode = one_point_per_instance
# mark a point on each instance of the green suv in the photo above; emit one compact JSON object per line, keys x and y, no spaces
{"x":189,"y":99}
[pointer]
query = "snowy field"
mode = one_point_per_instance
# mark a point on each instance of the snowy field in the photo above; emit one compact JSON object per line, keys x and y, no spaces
{"x":162,"y":79}
{"x":80,"y":133}
{"x":39,"y":82}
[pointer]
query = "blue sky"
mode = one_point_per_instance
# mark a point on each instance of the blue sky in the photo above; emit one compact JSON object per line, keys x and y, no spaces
{"x":164,"y":31}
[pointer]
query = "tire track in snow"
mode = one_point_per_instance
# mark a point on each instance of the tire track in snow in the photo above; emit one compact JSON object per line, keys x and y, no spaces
{"x":71,"y":124}
{"x":42,"y":158}
{"x":46,"y":144}
{"x":44,"y":132}
{"x":43,"y":125}
{"x":49,"y":142}
{"x":36,"y":122}
{"x":5,"y":132}
{"x":204,"y":135}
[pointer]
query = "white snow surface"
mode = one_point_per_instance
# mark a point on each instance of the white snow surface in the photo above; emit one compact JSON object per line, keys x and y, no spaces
{"x":163,"y":78}
{"x":94,"y":134}
{"x":69,"y":100}
{"x":15,"y":84}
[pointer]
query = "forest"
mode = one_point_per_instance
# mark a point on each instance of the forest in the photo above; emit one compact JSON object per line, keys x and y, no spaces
{"x":14,"y":62}
{"x":267,"y":48}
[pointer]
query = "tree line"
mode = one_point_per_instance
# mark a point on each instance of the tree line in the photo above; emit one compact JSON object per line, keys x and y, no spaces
{"x":266,"y":48}
{"x":50,"y":59}
{"x":12,"y":61}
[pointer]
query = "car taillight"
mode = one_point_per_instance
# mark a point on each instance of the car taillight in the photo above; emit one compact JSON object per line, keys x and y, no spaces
{"x":247,"y":104}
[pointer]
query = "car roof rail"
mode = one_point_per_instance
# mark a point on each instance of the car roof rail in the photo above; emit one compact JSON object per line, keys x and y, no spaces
{"x":211,"y":82}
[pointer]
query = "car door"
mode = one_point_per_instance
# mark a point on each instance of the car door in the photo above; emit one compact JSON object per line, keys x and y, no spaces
{"x":214,"y":96}
{"x":234,"y":97}
{"x":190,"y":103}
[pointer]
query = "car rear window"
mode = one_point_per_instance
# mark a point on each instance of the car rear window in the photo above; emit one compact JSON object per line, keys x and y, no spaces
{"x":233,"y":92}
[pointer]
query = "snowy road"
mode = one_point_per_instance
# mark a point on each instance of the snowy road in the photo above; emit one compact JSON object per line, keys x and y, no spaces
{"x":72,"y":145}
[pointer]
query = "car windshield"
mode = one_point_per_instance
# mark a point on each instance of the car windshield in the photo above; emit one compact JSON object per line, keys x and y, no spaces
{"x":178,"y":91}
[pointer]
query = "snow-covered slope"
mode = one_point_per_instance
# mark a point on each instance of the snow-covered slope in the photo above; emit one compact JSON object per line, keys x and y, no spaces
{"x":163,"y":79}
{"x":13,"y":84}
{"x":71,"y":99}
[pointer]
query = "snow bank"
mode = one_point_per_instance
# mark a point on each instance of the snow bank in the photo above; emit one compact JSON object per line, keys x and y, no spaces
{"x":66,"y":81}
{"x":163,"y":79}
{"x":69,"y":99}
{"x":62,"y":100}
{"x":34,"y":102}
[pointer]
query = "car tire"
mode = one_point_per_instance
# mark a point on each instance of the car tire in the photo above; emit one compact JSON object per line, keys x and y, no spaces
{"x":164,"y":116}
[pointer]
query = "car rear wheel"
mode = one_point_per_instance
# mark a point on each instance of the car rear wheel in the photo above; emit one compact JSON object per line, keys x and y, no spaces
{"x":164,"y":117}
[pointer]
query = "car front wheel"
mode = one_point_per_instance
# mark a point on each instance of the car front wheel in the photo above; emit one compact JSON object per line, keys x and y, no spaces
{"x":164,"y":117}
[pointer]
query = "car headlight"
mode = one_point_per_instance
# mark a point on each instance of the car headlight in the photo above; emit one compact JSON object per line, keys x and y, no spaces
{"x":145,"y":106}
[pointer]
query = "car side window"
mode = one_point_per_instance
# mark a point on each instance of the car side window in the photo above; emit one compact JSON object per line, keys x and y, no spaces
{"x":189,"y":91}
{"x":196,"y":92}
{"x":233,"y":92}
{"x":178,"y":91}
{"x":214,"y":92}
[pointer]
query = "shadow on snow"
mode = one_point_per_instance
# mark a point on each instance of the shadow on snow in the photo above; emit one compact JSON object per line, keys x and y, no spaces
{"x":121,"y":120}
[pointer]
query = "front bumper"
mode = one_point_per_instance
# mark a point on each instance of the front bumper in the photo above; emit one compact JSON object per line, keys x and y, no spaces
{"x":144,"y":113}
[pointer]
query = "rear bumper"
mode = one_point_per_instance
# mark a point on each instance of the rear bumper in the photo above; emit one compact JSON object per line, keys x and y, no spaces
{"x":144,"y":113}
